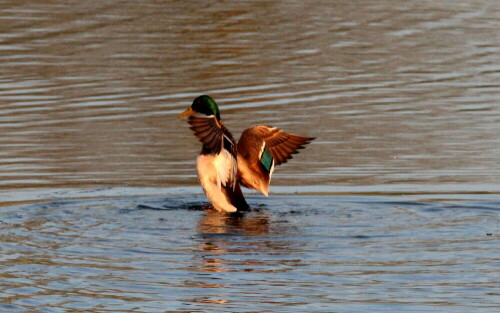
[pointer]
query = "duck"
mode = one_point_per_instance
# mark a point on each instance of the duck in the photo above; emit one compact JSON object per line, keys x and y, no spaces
{"x":224,"y":165}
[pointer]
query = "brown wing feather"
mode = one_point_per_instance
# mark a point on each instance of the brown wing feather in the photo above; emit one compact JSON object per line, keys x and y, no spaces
{"x":281,"y":144}
{"x":208,"y":131}
{"x":215,"y":137}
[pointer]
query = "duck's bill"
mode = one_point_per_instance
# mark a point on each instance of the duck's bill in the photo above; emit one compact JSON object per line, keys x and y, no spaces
{"x":187,"y":112}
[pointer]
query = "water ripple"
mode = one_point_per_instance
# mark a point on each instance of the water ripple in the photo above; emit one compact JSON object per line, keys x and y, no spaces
{"x":136,"y":250}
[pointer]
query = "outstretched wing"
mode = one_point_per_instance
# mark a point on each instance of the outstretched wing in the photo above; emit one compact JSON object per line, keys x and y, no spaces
{"x":219,"y":142}
{"x":281,"y":144}
{"x":260,"y":149}
{"x":208,"y":131}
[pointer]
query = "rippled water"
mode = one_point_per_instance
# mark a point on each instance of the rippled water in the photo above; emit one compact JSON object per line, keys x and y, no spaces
{"x":395,"y":94}
{"x":100,"y":208}
{"x":290,"y":254}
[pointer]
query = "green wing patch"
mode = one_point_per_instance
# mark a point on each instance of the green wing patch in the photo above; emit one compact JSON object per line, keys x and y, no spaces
{"x":266,"y":159}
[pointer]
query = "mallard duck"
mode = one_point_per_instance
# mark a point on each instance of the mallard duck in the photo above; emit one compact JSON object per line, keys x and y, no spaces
{"x":223,"y":165}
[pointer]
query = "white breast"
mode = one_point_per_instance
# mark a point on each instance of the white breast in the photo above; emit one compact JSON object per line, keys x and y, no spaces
{"x":214,"y":172}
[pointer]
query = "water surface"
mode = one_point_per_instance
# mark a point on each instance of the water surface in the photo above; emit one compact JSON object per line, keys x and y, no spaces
{"x":289,"y":254}
{"x":395,"y":94}
{"x":394,"y":207}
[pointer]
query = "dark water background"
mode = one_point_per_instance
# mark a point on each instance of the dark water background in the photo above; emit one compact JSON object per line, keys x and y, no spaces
{"x":393,"y":207}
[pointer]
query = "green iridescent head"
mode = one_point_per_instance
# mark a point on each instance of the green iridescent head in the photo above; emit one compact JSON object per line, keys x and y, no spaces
{"x":206,"y":105}
{"x":203,"y":104}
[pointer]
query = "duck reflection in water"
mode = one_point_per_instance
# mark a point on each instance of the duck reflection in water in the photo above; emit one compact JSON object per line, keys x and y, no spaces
{"x":254,"y":222}
{"x":219,"y":232}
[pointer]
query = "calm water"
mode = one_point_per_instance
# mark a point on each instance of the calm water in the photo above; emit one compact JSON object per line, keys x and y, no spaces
{"x":393,"y":207}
